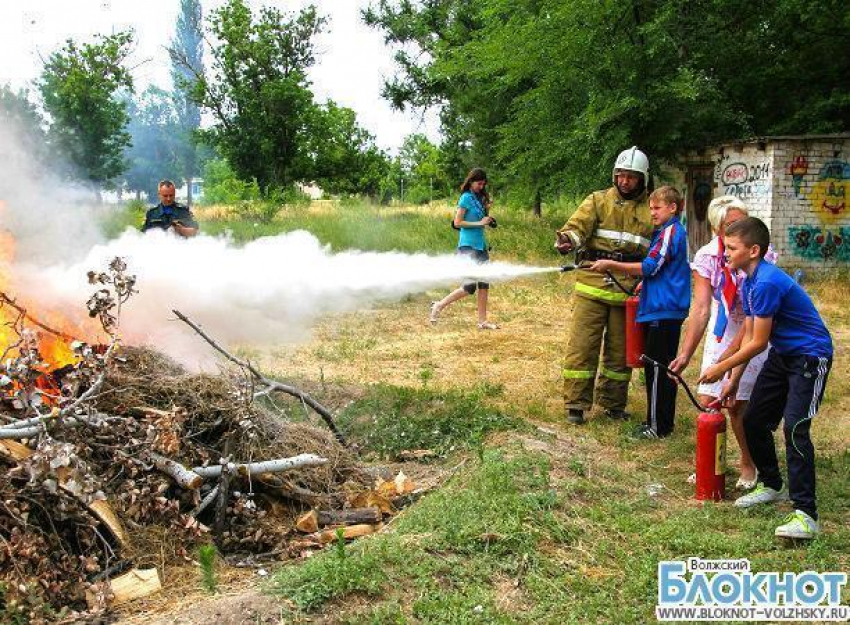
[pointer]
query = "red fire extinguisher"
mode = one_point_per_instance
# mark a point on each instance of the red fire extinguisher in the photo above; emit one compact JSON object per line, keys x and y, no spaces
{"x":634,"y":330}
{"x":711,"y":454}
{"x":634,"y":334}
{"x":711,"y":443}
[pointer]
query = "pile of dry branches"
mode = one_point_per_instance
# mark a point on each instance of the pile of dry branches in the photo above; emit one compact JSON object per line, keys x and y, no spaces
{"x":124,"y":459}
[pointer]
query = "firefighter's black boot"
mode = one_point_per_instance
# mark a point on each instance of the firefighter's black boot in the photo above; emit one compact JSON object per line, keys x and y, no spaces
{"x":575,"y":417}
{"x":617,"y":414}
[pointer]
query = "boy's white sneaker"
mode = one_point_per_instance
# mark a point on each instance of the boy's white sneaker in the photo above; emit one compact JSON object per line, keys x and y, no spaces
{"x":759,"y":495}
{"x":798,"y":525}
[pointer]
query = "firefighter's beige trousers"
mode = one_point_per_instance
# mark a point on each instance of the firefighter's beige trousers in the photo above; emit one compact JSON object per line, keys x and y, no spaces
{"x":595,"y":324}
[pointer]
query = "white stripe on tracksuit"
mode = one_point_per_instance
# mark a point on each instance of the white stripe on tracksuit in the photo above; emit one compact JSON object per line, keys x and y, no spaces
{"x":653,"y":420}
{"x":817,"y":389}
{"x":664,"y":244}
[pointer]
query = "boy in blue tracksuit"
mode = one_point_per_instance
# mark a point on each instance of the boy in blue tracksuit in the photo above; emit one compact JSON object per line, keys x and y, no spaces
{"x":664,"y":301}
{"x":791,"y":383}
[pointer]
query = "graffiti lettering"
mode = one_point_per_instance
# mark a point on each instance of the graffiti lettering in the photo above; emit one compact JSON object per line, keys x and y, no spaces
{"x":739,"y":173}
{"x":736,"y":173}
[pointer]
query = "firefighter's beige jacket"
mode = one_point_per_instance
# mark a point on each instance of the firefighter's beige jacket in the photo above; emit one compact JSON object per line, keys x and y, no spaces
{"x":606,"y":222}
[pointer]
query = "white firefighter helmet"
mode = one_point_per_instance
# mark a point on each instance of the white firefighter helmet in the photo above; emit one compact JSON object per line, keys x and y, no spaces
{"x":631,"y":160}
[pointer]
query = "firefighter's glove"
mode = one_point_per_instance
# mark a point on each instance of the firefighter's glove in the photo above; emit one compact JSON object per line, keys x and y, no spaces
{"x":563,"y":243}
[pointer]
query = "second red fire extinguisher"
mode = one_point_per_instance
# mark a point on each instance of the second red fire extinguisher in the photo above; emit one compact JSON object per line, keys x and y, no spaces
{"x":711,"y":443}
{"x":711,"y":455}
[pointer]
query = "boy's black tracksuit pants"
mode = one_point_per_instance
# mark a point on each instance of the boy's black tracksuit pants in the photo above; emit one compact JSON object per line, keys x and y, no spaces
{"x":789,"y":388}
{"x":661,"y":342}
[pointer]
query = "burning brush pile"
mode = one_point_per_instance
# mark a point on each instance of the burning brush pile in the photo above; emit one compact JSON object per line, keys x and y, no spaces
{"x":114,"y":458}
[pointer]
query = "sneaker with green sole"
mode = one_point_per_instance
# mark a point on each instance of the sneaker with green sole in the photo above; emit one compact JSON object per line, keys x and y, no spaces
{"x":798,"y":524}
{"x":759,"y":495}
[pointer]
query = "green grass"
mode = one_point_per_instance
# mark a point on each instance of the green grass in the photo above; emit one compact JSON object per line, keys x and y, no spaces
{"x":437,"y":565}
{"x":585,"y":549}
{"x":364,"y":226}
{"x":391,"y":419}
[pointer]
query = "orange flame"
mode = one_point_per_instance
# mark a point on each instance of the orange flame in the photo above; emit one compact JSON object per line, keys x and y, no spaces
{"x":54,"y":350}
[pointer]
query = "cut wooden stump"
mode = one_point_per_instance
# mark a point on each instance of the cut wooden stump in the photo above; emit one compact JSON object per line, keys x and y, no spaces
{"x":308,"y":522}
{"x":131,"y":585}
{"x":15,"y":450}
{"x":352,"y":531}
{"x":106,"y":515}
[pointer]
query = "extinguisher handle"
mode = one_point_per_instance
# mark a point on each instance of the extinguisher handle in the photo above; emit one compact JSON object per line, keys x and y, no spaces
{"x":710,"y":408}
{"x":628,"y":292}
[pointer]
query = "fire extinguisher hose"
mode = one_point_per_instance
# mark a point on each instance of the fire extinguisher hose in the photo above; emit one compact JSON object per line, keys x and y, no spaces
{"x":710,"y":408}
{"x":628,"y":292}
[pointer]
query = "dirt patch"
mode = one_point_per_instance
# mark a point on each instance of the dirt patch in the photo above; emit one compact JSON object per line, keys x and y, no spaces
{"x":244,"y":607}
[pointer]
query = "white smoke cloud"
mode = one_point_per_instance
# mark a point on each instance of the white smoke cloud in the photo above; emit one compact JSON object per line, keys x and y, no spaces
{"x":51,"y":219}
{"x":271,"y":291}
{"x":268,"y":292}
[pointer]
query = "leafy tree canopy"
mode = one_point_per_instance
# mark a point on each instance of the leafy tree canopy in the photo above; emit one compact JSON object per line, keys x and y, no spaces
{"x":156,"y":141}
{"x":548,"y":92}
{"x":258,"y":91}
{"x":79,"y":85}
{"x":187,"y":63}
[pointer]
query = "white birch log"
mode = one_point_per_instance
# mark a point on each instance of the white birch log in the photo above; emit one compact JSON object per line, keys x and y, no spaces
{"x":184,"y":476}
{"x":265,"y":466}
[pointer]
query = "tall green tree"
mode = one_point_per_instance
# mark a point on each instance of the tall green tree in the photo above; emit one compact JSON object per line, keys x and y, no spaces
{"x":422,"y":167}
{"x":258,"y":93}
{"x":547,"y":92}
{"x":345,"y":158}
{"x":78,"y":85}
{"x":187,"y":65}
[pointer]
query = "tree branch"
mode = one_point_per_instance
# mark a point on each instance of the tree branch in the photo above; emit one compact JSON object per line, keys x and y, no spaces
{"x":271,"y":384}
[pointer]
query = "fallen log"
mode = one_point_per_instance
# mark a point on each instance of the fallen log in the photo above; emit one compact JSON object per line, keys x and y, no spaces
{"x":309,"y":522}
{"x":131,"y":585}
{"x":265,"y":466}
{"x":352,"y":516}
{"x":183,"y":476}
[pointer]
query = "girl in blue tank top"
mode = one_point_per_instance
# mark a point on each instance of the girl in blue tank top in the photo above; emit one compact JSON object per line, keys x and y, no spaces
{"x":471,"y":219}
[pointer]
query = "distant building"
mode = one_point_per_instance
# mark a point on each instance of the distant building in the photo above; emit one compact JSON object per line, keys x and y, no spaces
{"x":798,"y":185}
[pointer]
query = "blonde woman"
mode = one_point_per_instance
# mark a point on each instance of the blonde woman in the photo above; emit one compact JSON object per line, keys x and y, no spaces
{"x":717,"y":314}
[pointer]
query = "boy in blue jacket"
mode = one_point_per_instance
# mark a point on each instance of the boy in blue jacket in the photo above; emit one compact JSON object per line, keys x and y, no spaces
{"x":664,"y":301}
{"x":791,"y":383}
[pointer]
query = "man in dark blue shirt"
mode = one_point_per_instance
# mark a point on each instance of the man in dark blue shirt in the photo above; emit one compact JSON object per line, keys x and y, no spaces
{"x":168,"y":215}
{"x":791,"y":384}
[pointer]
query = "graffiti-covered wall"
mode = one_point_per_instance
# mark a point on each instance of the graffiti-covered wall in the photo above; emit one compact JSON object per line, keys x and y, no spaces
{"x":809,"y":205}
{"x":797,"y":185}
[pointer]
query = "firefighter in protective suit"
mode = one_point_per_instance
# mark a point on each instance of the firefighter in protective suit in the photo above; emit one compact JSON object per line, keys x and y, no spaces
{"x":614,"y":224}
